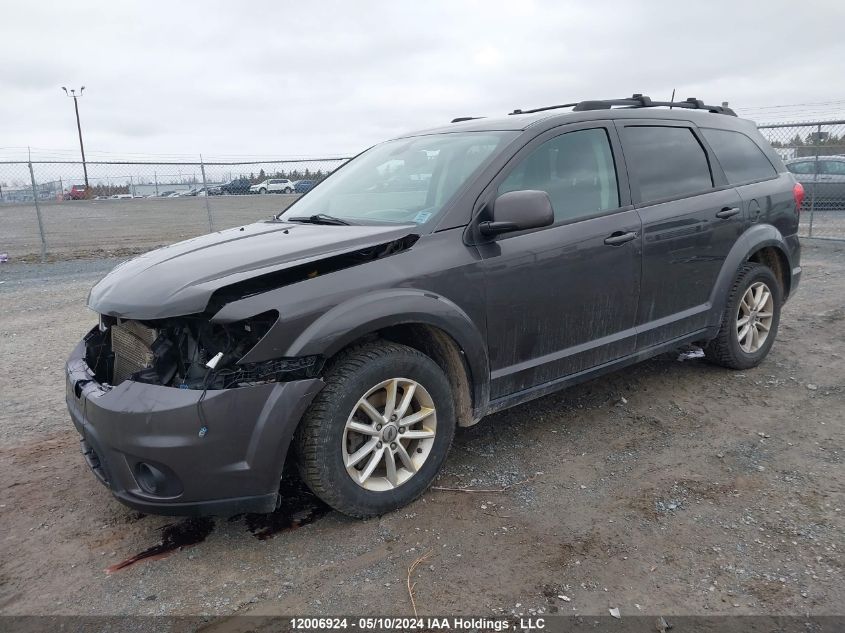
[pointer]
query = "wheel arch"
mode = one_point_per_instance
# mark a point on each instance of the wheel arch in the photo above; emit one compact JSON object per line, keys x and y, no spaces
{"x":776,"y":259}
{"x":761,"y":243}
{"x":424,"y":321}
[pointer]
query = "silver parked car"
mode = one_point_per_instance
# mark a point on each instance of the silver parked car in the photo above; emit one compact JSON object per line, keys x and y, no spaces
{"x":823,"y":178}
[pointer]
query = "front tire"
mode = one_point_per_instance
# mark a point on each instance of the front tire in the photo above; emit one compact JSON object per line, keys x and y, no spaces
{"x":288,"y":190}
{"x":378,"y":433}
{"x":750,"y":320}
{"x":262,"y":191}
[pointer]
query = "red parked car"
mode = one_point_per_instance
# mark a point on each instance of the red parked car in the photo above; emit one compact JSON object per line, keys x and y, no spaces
{"x":77,"y":192}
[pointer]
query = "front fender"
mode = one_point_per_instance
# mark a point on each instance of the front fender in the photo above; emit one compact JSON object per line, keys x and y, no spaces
{"x":756,"y":237}
{"x":352,"y":319}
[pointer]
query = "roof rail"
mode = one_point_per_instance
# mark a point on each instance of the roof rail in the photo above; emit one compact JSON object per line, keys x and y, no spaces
{"x":635,"y":101}
{"x":554,"y":107}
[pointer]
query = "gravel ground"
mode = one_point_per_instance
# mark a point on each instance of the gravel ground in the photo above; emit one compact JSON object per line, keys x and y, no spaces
{"x":670,"y":487}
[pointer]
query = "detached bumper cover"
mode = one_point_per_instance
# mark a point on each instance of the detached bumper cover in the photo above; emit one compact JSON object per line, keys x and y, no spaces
{"x":233,"y":467}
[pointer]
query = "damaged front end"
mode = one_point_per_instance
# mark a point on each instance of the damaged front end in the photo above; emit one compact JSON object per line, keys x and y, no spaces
{"x":189,"y":352}
{"x":185,"y":412}
{"x":173,"y":424}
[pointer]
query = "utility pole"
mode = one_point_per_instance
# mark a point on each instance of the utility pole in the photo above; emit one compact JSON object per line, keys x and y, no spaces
{"x":73,"y":94}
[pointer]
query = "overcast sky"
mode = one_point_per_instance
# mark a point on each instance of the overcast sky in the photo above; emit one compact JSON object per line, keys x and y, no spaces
{"x":320,"y":78}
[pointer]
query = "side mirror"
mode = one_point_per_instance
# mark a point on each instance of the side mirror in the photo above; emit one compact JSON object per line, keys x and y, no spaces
{"x":519,"y":210}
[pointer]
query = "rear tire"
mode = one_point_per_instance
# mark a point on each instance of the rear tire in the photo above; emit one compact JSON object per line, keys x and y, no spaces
{"x":750,"y":320}
{"x":352,"y":453}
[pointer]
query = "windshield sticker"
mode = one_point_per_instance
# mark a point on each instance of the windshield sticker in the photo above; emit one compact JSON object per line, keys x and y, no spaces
{"x":422,"y":217}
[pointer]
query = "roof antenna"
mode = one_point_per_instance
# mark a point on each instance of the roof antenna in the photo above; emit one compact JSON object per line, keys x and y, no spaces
{"x":672,"y":100}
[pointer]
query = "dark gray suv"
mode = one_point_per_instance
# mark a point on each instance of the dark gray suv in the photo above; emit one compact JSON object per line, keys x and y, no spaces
{"x":432,"y":280}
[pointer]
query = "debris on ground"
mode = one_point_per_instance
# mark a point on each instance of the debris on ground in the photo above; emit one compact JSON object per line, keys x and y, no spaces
{"x":691,"y":353}
{"x":614,"y":611}
{"x":410,"y":585}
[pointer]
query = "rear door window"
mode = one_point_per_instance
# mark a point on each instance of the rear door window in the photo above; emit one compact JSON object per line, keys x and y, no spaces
{"x":740,"y":157}
{"x":666,"y":162}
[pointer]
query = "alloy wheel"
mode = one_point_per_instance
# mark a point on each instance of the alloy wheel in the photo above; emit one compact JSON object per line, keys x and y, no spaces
{"x":389,"y":434}
{"x":754,"y":317}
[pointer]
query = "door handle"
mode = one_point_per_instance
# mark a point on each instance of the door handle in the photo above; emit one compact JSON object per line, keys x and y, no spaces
{"x":727,"y":212}
{"x":619,"y":238}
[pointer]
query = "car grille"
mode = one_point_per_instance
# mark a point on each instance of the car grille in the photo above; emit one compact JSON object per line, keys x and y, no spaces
{"x":130,"y":342}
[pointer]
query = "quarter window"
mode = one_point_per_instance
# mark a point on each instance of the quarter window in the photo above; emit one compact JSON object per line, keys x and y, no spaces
{"x":804,"y":167}
{"x":576,"y":170}
{"x":739,"y":156}
{"x":667,"y":162}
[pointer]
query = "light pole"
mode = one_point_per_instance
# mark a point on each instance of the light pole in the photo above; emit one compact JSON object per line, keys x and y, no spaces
{"x":73,"y":94}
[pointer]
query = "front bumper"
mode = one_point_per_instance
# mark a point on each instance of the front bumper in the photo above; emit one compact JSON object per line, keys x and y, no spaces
{"x":234,"y":466}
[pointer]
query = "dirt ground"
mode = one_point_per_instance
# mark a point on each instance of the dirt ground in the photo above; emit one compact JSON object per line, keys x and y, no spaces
{"x":670,"y":487}
{"x":86,"y":228}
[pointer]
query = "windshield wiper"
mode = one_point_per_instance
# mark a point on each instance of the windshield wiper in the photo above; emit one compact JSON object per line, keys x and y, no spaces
{"x":320,"y":218}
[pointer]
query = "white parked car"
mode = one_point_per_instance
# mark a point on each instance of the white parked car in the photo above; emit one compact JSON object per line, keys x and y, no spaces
{"x":273,"y":185}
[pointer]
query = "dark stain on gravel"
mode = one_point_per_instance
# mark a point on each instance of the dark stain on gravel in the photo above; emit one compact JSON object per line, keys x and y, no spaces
{"x":298,"y":507}
{"x":173,"y":537}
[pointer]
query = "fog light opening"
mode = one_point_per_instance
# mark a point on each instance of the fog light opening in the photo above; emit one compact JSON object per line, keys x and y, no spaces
{"x":150,"y":478}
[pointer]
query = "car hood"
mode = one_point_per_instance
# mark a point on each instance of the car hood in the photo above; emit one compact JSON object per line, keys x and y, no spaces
{"x":179,"y":279}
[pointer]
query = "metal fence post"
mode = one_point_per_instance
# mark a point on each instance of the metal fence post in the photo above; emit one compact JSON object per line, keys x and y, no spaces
{"x":38,"y":213}
{"x":815,"y":180}
{"x":205,"y":190}
{"x":155,"y":178}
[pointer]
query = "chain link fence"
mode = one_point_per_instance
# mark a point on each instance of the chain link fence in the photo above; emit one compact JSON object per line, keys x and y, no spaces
{"x":815,"y":154}
{"x":46,"y":209}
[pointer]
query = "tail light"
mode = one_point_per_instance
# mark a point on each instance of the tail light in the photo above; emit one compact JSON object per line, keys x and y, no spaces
{"x":798,"y":194}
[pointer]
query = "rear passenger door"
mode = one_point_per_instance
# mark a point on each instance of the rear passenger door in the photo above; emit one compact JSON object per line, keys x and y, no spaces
{"x":691,"y":218}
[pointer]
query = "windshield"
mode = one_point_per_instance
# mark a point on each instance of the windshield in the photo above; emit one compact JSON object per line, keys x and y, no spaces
{"x":401,"y":181}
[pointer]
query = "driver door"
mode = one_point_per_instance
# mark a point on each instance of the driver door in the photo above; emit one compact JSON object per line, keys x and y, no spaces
{"x":563,"y":299}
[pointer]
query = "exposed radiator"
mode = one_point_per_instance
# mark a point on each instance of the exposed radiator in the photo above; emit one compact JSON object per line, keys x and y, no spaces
{"x":130,"y":342}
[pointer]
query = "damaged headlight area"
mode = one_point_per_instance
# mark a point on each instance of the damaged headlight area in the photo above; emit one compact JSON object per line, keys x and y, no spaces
{"x":188,"y":353}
